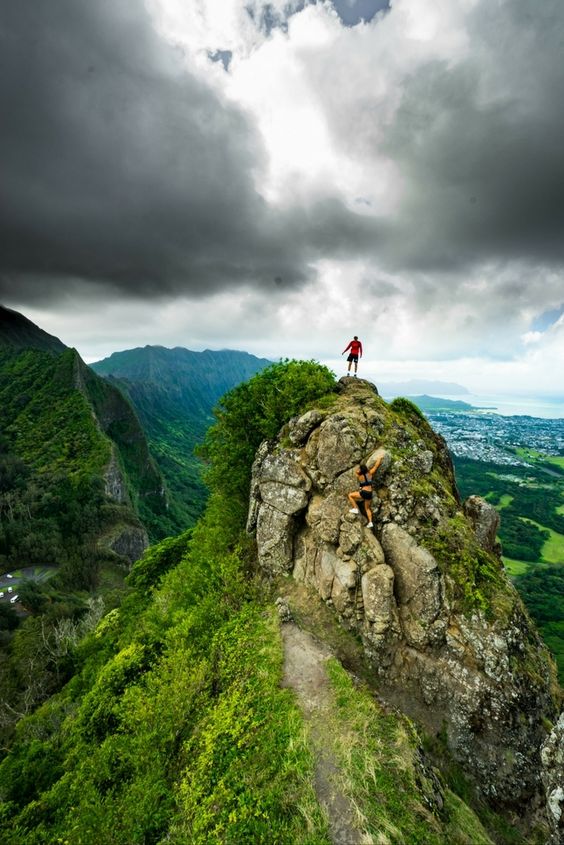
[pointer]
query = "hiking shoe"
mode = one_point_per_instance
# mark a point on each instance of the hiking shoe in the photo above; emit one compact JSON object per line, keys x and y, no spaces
{"x":370,"y":525}
{"x":354,"y":510}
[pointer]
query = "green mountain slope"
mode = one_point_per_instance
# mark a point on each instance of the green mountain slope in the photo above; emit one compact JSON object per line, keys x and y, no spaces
{"x":181,"y":723}
{"x":64,"y":426}
{"x":174,"y":392}
{"x":17,"y":332}
{"x":176,"y":726}
{"x":79,"y":492}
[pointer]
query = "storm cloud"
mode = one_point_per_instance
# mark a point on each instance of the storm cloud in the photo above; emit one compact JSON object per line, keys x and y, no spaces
{"x":288,"y":164}
{"x":121,"y":166}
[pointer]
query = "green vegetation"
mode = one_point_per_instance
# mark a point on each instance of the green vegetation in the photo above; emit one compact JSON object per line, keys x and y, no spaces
{"x":542,"y":588}
{"x":174,"y":392}
{"x":384,"y":775}
{"x":61,"y":427}
{"x":555,"y":462}
{"x":474,"y":575}
{"x":516,"y":567}
{"x":251,"y":413}
{"x":532,"y":535}
{"x":172,"y":725}
{"x":532,"y":497}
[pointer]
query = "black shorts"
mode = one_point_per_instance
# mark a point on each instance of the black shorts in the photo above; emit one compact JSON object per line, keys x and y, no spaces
{"x":366,"y":494}
{"x":353,"y":358}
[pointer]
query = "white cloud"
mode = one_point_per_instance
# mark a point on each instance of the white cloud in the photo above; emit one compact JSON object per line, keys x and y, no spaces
{"x":411,"y":168}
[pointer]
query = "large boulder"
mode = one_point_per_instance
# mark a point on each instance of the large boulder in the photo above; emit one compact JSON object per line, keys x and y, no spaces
{"x":442,"y":627}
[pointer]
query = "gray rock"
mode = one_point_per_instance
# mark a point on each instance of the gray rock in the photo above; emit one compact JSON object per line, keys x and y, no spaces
{"x":129,"y":541}
{"x":274,"y":534}
{"x":324,"y":515}
{"x":115,"y":486}
{"x":283,"y":609}
{"x":378,"y":596}
{"x":300,"y":428}
{"x":419,"y":586}
{"x":447,"y":666}
{"x":339,"y":447}
{"x":552,"y":758}
{"x":484,"y":519}
{"x":284,"y":498}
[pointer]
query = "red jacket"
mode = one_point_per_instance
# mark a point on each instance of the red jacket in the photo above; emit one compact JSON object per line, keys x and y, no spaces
{"x":355,"y":346}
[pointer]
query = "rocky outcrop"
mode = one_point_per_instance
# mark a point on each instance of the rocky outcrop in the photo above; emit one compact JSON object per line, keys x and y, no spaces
{"x":552,"y":756}
{"x":114,"y":482}
{"x":127,"y":541}
{"x":446,"y":633}
{"x":484,"y":519}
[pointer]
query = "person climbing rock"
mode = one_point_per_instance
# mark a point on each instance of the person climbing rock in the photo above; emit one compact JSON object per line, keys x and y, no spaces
{"x":355,"y":347}
{"x":364,"y":492}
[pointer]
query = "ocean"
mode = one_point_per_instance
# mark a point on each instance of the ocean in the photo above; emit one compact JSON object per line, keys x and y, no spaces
{"x":543,"y":407}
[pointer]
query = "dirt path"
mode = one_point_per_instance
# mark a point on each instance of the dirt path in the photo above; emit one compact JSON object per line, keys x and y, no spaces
{"x":305,"y":673}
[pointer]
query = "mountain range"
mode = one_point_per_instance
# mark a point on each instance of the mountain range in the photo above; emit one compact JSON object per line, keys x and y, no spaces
{"x":321,"y":674}
{"x":68,"y":439}
{"x":174,"y":392}
{"x":310,"y":677}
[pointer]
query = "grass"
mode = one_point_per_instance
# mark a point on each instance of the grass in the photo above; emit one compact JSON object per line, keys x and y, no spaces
{"x":382,"y":774}
{"x":516,"y":567}
{"x":553,"y":548}
{"x":504,"y":501}
{"x":534,"y":456}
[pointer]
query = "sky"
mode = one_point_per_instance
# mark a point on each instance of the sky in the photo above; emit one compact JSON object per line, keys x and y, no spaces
{"x":277,"y":177}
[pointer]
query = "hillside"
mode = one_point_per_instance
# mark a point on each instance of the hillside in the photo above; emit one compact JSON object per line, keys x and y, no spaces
{"x":256,"y":690}
{"x":78,"y":491}
{"x":17,"y":332}
{"x":174,"y":392}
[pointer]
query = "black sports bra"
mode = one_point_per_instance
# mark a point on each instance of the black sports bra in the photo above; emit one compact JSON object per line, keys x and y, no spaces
{"x":367,"y":482}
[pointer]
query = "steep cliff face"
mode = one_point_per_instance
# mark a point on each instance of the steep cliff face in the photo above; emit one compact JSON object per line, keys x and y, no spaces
{"x":445,"y":631}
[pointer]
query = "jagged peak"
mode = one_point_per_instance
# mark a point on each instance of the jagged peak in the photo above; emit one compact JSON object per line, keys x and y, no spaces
{"x":447,"y":635}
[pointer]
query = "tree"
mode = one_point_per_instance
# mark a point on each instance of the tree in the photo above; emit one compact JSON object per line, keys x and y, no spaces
{"x":253,"y":412}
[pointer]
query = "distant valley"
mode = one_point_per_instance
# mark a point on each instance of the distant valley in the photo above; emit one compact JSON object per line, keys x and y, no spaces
{"x":174,"y":392}
{"x":517,"y":464}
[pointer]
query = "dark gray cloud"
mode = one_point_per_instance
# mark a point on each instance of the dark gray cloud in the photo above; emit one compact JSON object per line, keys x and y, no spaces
{"x":118,"y":165}
{"x":479,"y":144}
{"x":122,"y":168}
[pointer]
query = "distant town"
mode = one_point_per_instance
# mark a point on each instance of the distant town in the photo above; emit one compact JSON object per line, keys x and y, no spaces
{"x":494,"y":438}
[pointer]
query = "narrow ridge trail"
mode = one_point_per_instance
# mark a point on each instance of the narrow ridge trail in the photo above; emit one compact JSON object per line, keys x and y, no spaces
{"x":305,"y":673}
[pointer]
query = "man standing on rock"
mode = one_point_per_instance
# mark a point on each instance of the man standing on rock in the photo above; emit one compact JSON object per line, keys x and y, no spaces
{"x":356,"y":351}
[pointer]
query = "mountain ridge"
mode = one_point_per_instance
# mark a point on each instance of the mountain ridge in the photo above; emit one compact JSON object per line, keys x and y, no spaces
{"x":174,"y":392}
{"x":243,"y":690}
{"x":17,"y":331}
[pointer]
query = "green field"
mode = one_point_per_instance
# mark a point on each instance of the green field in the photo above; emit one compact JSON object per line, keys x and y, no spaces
{"x":531,"y":533}
{"x":553,"y":548}
{"x":537,"y":457}
{"x":516,"y":567}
